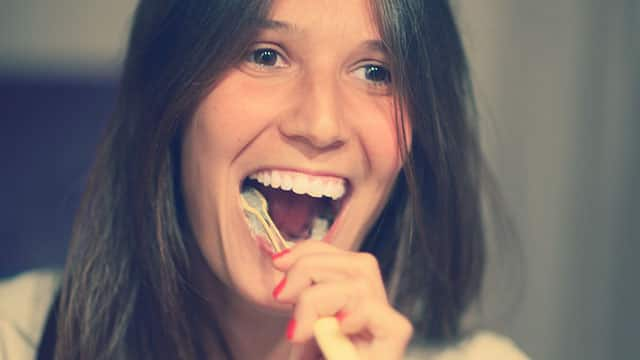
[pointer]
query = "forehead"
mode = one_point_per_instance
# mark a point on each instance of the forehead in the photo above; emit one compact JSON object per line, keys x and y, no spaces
{"x":343,"y":18}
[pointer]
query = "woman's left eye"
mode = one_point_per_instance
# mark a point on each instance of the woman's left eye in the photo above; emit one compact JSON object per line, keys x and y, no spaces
{"x":376,"y":74}
{"x":266,"y":57}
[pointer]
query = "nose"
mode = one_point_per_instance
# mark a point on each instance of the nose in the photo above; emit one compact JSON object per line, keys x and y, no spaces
{"x":316,"y":121}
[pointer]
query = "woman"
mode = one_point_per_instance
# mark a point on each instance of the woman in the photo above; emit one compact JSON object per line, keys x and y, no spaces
{"x":354,"y":113}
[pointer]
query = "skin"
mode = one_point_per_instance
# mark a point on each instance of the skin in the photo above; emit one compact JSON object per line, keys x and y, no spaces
{"x":313,"y":110}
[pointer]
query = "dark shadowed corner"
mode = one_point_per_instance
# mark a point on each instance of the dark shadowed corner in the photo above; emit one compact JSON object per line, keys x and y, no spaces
{"x":49,"y":129}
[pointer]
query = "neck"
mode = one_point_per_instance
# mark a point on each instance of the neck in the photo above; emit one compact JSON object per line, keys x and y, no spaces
{"x":248,"y":331}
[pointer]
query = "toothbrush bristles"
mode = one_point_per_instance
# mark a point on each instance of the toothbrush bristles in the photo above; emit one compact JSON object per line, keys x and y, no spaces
{"x":255,"y":204}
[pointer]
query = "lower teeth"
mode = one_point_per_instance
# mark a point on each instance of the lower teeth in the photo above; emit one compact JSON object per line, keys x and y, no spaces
{"x":319,"y":228}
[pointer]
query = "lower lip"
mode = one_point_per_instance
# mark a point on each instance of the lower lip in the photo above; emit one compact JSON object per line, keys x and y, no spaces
{"x":337,"y":222}
{"x":328,"y":237}
{"x":264,"y":245}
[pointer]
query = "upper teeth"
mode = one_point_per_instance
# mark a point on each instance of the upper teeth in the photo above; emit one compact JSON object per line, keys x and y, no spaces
{"x":299,"y":183}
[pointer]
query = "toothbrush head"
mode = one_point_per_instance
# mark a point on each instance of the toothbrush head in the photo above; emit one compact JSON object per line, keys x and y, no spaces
{"x":254,"y":199}
{"x":256,"y":212}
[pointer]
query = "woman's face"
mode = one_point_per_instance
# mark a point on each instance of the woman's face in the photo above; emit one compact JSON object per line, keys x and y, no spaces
{"x":309,"y":105}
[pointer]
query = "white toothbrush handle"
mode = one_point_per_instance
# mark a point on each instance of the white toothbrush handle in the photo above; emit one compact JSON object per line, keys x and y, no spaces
{"x":333,"y":343}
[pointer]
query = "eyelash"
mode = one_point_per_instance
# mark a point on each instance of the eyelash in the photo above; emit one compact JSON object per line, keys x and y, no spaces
{"x":253,"y":55}
{"x":267,"y":57}
{"x":384,"y":75}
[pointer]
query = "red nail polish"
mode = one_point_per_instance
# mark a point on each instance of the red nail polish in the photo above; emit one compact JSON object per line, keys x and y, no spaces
{"x":340,"y":315}
{"x":291,"y":328}
{"x":279,"y":287}
{"x":281,"y":253}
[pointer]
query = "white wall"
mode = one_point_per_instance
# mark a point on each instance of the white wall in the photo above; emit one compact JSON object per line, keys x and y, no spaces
{"x":558,"y":84}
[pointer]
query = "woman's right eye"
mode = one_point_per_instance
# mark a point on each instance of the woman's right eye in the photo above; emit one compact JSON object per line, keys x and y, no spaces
{"x":266,"y":57}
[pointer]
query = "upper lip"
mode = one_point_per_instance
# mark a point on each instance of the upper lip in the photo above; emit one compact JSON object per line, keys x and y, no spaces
{"x":312,"y":172}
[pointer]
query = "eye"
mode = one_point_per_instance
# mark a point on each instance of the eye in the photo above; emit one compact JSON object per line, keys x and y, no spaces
{"x":265,"y":57}
{"x":378,"y":75}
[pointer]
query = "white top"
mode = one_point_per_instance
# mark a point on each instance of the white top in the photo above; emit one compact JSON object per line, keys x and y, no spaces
{"x":26,"y":298}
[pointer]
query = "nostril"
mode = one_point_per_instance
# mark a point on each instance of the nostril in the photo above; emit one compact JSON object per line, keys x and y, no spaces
{"x":317,"y":135}
{"x":318,"y":143}
{"x":317,"y":119}
{"x":311,"y":148}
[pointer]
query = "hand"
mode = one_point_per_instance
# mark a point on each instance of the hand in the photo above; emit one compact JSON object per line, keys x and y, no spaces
{"x":322,"y":280}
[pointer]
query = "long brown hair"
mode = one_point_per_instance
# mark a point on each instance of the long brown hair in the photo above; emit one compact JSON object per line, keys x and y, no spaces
{"x":127,"y":290}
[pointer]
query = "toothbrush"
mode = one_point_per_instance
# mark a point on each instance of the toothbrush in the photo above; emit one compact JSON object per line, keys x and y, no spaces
{"x":332,"y":342}
{"x":256,"y":210}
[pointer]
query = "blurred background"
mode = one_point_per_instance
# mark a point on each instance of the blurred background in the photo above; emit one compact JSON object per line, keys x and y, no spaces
{"x":558,"y":87}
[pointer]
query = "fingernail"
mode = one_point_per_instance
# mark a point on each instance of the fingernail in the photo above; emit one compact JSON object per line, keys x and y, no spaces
{"x":281,"y":253}
{"x":278,"y":289}
{"x":340,"y":315}
{"x":291,"y":328}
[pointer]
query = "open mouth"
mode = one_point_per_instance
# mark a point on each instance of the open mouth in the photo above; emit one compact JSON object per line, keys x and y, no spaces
{"x":301,"y":206}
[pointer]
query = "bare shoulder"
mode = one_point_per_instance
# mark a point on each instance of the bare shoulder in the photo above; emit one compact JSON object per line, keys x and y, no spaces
{"x":481,"y":345}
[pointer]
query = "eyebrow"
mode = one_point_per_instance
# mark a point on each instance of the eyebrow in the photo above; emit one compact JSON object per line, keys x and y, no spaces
{"x":267,"y":24}
{"x":276,"y":25}
{"x":376,"y":45}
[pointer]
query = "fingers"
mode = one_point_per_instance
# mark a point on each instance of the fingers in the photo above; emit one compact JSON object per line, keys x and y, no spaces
{"x":380,"y":320}
{"x":295,"y":282}
{"x":287,"y":257}
{"x":317,"y":262}
{"x":356,"y":311}
{"x":320,"y":301}
{"x":373,"y":326}
{"x":322,"y":280}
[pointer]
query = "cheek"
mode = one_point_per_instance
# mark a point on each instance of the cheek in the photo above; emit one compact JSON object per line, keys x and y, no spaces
{"x":235,"y":113}
{"x":382,"y":149}
{"x":217,"y":120}
{"x":379,"y":135}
